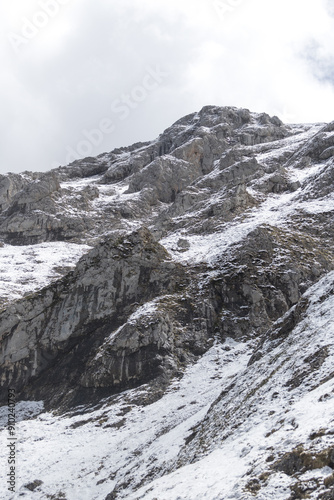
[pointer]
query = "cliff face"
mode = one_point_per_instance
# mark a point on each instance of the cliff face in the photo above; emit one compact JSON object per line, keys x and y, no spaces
{"x":51,"y":336}
{"x":210,"y":246}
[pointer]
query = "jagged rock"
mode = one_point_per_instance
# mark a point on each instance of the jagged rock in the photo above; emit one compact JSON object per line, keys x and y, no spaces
{"x":188,"y":198}
{"x":322,"y":184}
{"x":24,"y":221}
{"x":262,"y":379}
{"x":87,"y":167}
{"x":128,"y":164}
{"x":33,"y":193}
{"x":327,"y":153}
{"x":300,"y":461}
{"x":192,"y":152}
{"x":183,"y":244}
{"x":153,"y":343}
{"x":315,"y":146}
{"x":235,"y":201}
{"x":33,"y":485}
{"x":54,"y":336}
{"x":238,"y":173}
{"x":167,"y":176}
{"x":159,"y":171}
{"x":271,"y":130}
{"x":230,"y":157}
{"x":10,"y":185}
{"x":278,"y":183}
{"x":254,"y":289}
{"x":34,"y":214}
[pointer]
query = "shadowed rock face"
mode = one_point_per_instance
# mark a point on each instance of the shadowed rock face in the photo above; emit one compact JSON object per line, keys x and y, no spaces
{"x":128,"y":313}
{"x":10,"y":185}
{"x":255,"y":287}
{"x":167,"y":176}
{"x":60,"y":329}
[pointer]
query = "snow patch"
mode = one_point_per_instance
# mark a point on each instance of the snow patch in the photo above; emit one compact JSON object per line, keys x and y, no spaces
{"x":26,"y":269}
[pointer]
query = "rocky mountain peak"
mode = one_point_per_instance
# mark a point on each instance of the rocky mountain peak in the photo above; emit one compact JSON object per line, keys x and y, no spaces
{"x":168,"y":307}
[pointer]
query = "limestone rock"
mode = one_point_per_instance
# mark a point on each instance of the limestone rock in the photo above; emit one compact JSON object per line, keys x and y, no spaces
{"x":33,"y":193}
{"x":70,"y":319}
{"x":10,"y":185}
{"x":167,"y":176}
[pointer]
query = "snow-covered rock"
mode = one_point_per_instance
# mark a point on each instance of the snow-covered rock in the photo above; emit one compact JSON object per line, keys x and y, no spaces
{"x":167,"y":316}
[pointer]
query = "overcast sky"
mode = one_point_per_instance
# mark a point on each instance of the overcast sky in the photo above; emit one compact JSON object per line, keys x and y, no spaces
{"x":80,"y":77}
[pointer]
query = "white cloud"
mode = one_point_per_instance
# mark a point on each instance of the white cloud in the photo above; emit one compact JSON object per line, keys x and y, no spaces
{"x":64,"y":79}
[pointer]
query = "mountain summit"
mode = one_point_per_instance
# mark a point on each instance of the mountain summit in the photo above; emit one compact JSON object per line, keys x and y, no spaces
{"x":167,"y":315}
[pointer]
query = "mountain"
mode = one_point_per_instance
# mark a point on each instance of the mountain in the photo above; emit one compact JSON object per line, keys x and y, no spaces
{"x":167,"y":316}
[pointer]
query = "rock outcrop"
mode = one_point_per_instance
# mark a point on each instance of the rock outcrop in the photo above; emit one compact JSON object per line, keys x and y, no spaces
{"x":82,"y":329}
{"x":10,"y":185}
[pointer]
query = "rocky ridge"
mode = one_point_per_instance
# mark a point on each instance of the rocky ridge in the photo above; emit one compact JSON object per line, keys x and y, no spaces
{"x":215,"y":238}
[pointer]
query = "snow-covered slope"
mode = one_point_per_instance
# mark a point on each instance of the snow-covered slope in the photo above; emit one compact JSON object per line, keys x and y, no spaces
{"x":26,"y":269}
{"x":218,"y":432}
{"x":167,"y":316}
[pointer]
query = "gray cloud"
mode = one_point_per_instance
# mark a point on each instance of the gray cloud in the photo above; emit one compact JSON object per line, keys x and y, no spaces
{"x":330,"y":7}
{"x":322,"y":65}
